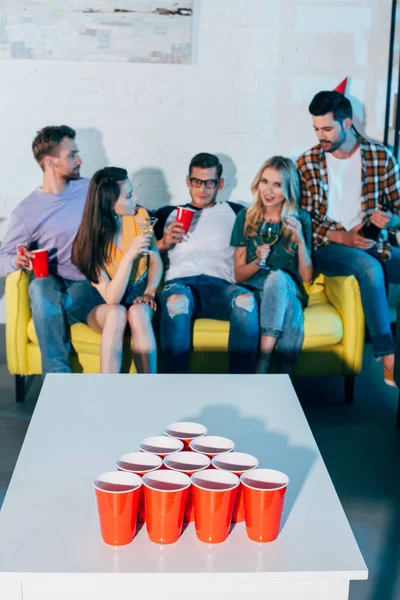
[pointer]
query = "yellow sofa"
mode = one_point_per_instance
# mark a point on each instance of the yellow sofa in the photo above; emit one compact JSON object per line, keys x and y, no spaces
{"x":333,"y":344}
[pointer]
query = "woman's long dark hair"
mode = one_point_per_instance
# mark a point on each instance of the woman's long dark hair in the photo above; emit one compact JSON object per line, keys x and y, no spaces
{"x":92,"y":245}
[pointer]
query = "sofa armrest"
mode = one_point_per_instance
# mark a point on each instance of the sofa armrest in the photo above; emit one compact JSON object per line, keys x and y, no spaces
{"x":344,"y":294}
{"x":18,"y":313}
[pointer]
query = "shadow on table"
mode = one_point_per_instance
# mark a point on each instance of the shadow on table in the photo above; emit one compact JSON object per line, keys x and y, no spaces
{"x":273,"y":449}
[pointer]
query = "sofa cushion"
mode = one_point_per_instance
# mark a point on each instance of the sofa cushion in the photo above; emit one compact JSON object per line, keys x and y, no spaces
{"x":322,"y":327}
{"x":83,"y":338}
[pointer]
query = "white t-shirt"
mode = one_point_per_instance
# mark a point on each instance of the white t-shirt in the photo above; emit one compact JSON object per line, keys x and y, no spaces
{"x":345,"y":187}
{"x":207,"y":249}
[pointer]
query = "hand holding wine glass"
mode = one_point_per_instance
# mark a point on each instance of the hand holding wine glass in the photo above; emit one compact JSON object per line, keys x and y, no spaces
{"x":269,"y":235}
{"x":139,"y":245}
{"x":262,"y":252}
{"x":146,"y":225}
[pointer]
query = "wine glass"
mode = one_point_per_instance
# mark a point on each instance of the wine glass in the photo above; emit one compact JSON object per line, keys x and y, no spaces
{"x":269,"y":234}
{"x":146,"y":225}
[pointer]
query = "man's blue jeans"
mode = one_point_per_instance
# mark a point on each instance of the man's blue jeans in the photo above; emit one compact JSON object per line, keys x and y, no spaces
{"x":371,"y":273}
{"x":208,"y":297}
{"x":56,"y":304}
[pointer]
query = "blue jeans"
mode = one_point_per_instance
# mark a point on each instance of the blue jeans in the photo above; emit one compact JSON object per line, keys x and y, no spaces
{"x":207,"y":297}
{"x":56,"y":304}
{"x":133,"y":291}
{"x":371,"y":274}
{"x":281,"y":315}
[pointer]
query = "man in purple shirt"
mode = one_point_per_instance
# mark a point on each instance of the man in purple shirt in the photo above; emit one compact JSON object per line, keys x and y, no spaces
{"x":49,"y":218}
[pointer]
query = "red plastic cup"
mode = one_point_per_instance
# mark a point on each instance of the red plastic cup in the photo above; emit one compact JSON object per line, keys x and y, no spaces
{"x":161,"y":445}
{"x":165,"y":495}
{"x":186,"y":431}
{"x":238,"y":463}
{"x":214,"y":494}
{"x":139,"y":463}
{"x":184,"y":216}
{"x":212,"y":445}
{"x":40,"y":263}
{"x":263,"y":494}
{"x":189,"y":463}
{"x":117,"y":496}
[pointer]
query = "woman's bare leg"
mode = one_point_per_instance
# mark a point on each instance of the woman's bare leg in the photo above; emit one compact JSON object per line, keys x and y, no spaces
{"x":144,"y":348}
{"x":110,"y":321}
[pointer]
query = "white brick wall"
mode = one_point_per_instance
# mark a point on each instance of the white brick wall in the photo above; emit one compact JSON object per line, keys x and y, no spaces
{"x":257,"y":64}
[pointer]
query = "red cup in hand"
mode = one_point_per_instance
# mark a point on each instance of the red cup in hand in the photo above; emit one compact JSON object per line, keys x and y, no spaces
{"x":40,"y":263}
{"x":184,"y":216}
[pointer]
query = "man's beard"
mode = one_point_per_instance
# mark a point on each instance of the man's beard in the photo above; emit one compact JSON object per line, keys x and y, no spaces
{"x":336,"y":145}
{"x":333,"y":147}
{"x":73,"y":176}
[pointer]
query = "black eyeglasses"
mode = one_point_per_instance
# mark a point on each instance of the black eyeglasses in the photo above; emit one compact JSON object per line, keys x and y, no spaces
{"x":210,"y":184}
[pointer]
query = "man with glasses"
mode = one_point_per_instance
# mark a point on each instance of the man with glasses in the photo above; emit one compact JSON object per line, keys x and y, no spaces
{"x":199,"y":279}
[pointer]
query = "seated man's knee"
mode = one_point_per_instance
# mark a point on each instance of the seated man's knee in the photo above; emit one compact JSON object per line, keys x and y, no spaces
{"x":38,"y":287}
{"x":245,"y":301}
{"x":372,"y":271}
{"x":44,"y":295}
{"x":177,"y":304}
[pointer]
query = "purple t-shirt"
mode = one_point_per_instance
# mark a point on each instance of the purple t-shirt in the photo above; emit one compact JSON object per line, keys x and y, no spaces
{"x":47,"y":221}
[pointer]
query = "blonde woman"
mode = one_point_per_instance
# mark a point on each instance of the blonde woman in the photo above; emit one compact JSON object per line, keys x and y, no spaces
{"x":275,"y":217}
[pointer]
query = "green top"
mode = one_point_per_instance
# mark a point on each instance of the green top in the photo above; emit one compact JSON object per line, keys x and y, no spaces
{"x":278,"y":258}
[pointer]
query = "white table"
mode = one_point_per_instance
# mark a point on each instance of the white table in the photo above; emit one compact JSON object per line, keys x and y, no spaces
{"x":50,"y":544}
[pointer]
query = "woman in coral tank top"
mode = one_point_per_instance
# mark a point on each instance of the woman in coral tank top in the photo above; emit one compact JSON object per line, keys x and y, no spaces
{"x":123,"y":264}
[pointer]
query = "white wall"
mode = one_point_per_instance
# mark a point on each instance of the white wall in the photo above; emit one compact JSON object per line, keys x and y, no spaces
{"x":256,"y":66}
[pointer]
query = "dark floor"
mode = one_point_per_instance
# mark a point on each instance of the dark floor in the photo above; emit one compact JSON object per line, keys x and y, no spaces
{"x":359,"y":443}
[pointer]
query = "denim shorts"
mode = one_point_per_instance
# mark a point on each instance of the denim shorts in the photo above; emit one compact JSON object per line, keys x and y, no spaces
{"x":133,"y":291}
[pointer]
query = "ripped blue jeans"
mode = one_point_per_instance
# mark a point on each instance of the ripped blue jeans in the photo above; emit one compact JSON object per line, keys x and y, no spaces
{"x":207,"y":297}
{"x":281,"y":315}
{"x":370,"y":272}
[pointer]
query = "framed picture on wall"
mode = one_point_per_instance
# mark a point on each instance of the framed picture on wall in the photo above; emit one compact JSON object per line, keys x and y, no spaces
{"x":157,"y":31}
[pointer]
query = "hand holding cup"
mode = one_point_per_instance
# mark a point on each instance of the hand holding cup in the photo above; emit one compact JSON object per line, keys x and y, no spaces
{"x":174,"y":234}
{"x":23,"y":257}
{"x":184,"y":216}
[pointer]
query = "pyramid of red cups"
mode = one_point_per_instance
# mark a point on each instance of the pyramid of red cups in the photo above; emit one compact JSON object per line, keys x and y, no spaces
{"x":189,"y":477}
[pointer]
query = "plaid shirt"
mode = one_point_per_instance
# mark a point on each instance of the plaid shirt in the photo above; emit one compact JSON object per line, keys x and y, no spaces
{"x":380,"y":181}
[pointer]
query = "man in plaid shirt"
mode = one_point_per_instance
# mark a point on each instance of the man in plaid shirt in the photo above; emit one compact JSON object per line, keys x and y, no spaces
{"x":347,"y":182}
